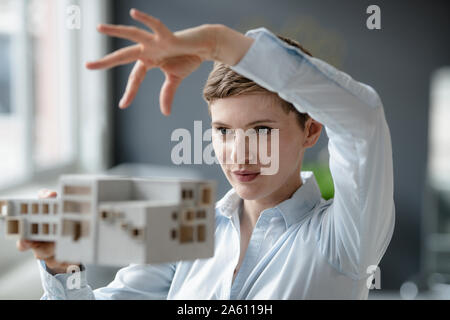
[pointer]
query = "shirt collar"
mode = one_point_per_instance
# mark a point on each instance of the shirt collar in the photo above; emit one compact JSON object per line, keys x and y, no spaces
{"x":302,"y":201}
{"x":229,"y":203}
{"x":293,"y":209}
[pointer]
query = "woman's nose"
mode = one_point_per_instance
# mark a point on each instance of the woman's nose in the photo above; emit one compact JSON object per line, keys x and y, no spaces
{"x":243,"y":152}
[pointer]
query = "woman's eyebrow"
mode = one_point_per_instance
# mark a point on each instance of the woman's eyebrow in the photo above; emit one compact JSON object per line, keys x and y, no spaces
{"x":218,"y":123}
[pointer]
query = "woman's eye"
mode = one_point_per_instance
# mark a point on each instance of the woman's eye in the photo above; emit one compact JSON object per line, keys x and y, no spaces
{"x":223,"y":131}
{"x":263,"y":130}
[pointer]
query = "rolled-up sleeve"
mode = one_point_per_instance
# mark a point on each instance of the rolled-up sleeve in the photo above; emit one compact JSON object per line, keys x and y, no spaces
{"x":357,"y":226}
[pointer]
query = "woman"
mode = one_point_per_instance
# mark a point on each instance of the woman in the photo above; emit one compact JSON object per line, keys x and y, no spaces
{"x":275,"y":237}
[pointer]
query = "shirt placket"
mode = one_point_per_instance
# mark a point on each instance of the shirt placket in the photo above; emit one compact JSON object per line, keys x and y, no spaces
{"x":251,"y":255}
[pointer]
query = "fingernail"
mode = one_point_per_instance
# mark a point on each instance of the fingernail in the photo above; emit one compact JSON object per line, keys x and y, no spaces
{"x":122,"y":104}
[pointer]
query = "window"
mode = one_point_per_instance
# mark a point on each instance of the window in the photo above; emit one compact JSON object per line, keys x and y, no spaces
{"x":44,"y":90}
{"x":34,"y":228}
{"x":12,"y":152}
{"x":45,"y":228}
{"x":35,"y":131}
{"x":75,"y":229}
{"x":5,"y":74}
{"x":77,"y":207}
{"x":12,"y":227}
{"x":206,"y":196}
{"x":439,"y":135}
{"x":77,"y":190}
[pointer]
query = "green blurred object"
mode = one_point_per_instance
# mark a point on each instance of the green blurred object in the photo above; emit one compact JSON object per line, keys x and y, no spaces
{"x":323,"y":177}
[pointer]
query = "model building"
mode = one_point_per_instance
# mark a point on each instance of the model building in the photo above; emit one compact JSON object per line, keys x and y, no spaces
{"x":110,"y":220}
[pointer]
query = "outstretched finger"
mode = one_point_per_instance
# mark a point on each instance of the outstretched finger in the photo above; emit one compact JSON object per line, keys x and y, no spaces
{"x":151,"y":22}
{"x":168,"y":93}
{"x":125,"y":32}
{"x":135,"y":79}
{"x":119,"y":57}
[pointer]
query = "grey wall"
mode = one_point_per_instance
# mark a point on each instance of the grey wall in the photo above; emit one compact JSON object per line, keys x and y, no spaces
{"x":397,"y":61}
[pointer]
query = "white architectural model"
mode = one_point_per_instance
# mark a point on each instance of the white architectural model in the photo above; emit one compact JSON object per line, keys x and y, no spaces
{"x":118,"y":220}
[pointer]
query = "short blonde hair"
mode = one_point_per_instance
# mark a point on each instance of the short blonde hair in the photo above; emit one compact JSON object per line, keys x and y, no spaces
{"x":223,"y":82}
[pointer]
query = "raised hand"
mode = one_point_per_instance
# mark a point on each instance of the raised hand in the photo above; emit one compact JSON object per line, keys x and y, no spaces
{"x":176,"y":54}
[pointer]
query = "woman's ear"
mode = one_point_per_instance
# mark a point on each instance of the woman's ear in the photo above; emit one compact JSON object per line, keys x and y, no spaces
{"x":312,"y":132}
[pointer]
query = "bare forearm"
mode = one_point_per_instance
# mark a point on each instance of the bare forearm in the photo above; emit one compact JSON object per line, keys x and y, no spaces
{"x":231,"y":45}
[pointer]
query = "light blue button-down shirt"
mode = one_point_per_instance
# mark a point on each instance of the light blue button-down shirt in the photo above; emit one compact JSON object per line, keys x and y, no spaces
{"x":305,"y":247}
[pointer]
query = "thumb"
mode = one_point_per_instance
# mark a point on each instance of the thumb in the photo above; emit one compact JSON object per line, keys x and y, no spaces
{"x":45,"y":193}
{"x":167,"y":95}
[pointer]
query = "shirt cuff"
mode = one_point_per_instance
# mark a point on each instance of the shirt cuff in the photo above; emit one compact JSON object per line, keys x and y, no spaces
{"x":60,"y":286}
{"x":268,"y":48}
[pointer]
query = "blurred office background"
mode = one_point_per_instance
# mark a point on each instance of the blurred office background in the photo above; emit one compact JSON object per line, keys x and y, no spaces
{"x":56,"y":117}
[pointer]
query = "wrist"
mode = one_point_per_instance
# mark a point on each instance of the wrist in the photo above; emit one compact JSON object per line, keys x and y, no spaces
{"x":55,"y":267}
{"x":208,"y":47}
{"x":54,"y":271}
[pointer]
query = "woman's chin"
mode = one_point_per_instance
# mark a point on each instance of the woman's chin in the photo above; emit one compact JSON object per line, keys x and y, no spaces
{"x":248,"y":192}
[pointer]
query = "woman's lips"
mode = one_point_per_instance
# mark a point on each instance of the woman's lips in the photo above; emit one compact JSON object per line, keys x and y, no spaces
{"x":245,"y":176}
